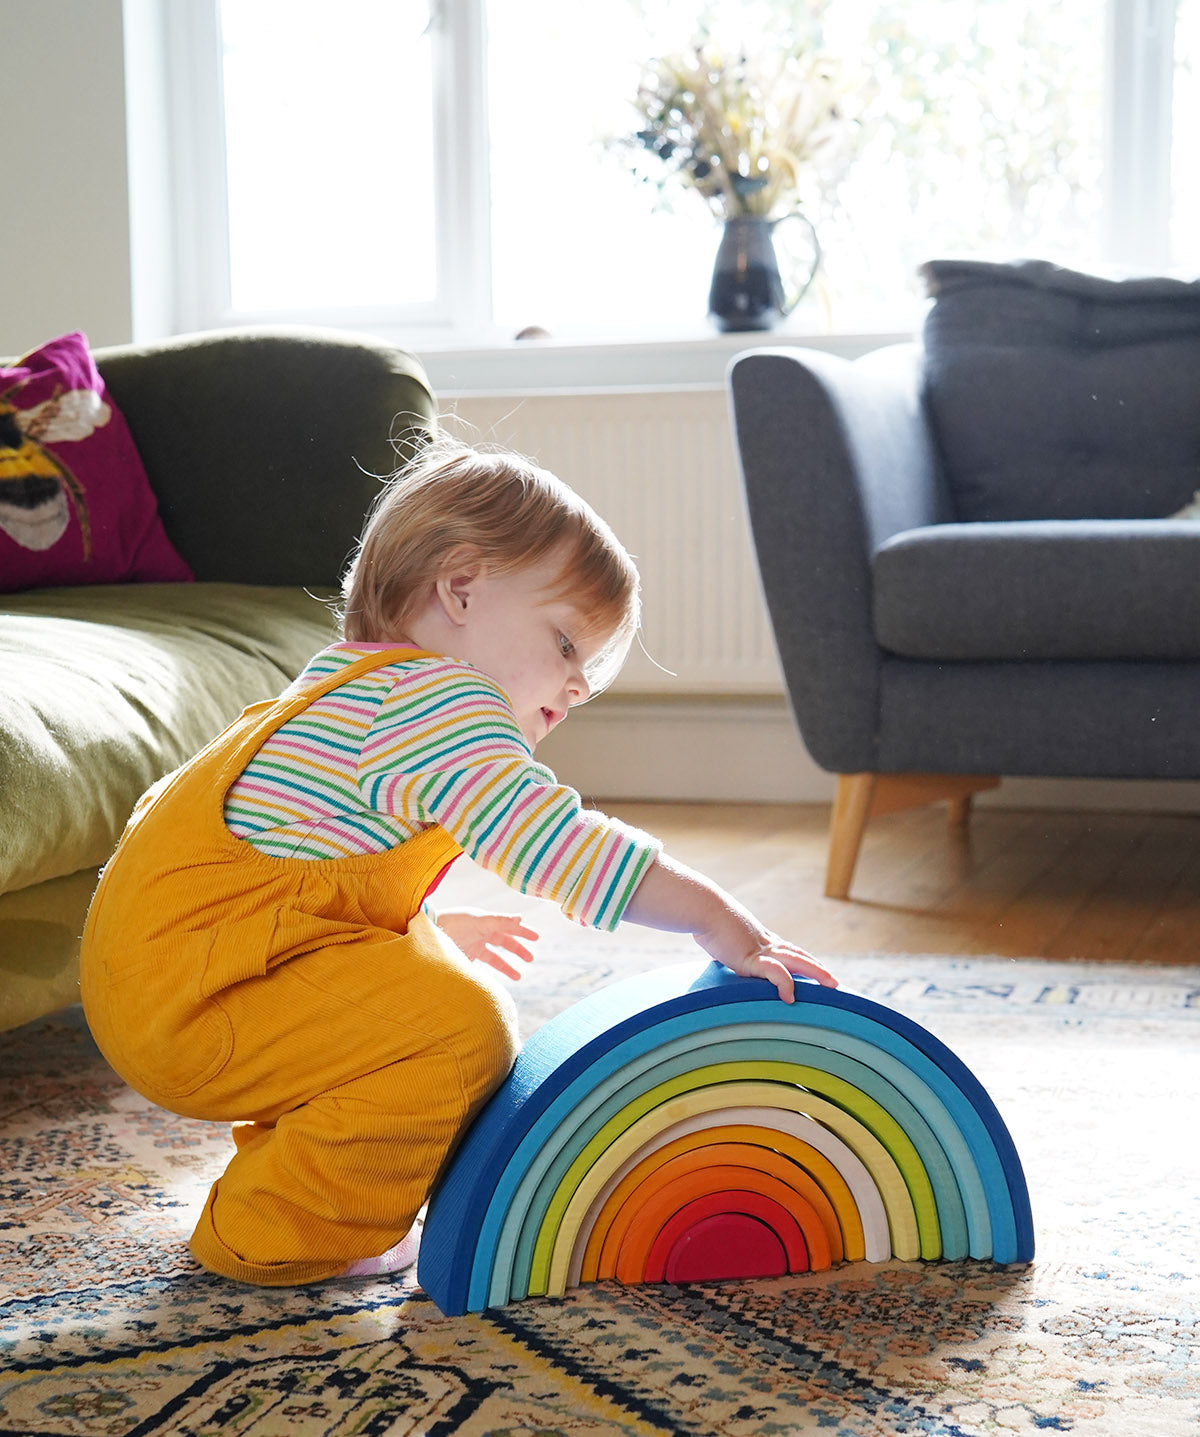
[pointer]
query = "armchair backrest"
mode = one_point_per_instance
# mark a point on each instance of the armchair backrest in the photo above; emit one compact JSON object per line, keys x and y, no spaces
{"x":1059,"y":395}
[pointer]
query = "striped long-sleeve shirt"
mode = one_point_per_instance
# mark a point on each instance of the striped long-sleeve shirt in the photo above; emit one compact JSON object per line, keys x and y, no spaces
{"x":432,"y":741}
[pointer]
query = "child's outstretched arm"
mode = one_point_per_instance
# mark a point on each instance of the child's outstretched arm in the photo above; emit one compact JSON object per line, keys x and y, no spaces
{"x":679,"y":900}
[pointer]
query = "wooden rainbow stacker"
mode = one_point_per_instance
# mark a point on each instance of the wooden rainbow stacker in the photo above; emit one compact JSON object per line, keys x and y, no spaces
{"x":686,"y":1125}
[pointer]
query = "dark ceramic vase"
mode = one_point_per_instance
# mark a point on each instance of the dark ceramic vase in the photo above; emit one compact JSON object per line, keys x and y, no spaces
{"x":748,"y":292}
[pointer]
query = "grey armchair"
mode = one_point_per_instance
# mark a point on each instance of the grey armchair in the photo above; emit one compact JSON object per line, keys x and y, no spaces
{"x":967,"y":549}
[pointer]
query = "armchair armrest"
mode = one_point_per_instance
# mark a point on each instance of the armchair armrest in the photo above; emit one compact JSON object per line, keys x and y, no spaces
{"x":836,"y":457}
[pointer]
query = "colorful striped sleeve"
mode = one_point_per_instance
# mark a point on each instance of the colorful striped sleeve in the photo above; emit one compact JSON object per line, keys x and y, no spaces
{"x":446,"y":748}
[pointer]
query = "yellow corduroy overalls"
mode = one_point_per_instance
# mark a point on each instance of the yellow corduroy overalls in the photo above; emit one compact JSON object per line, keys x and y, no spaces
{"x":311,"y":999}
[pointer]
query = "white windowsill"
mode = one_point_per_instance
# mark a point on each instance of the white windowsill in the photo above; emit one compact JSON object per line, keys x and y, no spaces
{"x":549,"y":365}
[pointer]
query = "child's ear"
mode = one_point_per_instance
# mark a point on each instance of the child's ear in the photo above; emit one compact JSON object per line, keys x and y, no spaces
{"x":456,"y":583}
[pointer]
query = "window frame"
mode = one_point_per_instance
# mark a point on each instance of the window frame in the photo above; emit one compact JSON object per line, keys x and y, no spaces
{"x":462,"y":280}
{"x":1137,"y":121}
{"x":1139,"y":94}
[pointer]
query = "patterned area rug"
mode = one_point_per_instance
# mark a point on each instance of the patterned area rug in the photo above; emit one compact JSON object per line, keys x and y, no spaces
{"x":108,"y":1329}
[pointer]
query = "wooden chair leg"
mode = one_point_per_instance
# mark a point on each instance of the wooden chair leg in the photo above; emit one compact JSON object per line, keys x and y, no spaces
{"x":851,"y":809}
{"x":862,"y":796}
{"x":958,"y":812}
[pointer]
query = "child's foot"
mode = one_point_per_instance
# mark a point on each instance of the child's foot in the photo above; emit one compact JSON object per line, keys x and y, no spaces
{"x":396,"y":1259}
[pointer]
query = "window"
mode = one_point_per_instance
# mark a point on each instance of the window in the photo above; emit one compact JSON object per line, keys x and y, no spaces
{"x":440,"y":166}
{"x":1184,"y":243}
{"x":984,"y":138}
{"x":329,"y":155}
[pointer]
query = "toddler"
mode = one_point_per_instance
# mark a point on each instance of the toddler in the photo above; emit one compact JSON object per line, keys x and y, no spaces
{"x":258,"y":949}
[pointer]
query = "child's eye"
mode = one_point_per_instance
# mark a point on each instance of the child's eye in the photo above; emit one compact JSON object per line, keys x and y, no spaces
{"x":566,"y":647}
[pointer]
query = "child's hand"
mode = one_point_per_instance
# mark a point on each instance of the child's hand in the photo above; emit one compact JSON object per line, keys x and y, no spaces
{"x":488,"y":937}
{"x":680,"y":900}
{"x":756,"y":952}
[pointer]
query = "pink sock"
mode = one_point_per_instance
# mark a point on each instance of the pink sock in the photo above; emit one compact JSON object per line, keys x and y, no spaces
{"x":396,"y":1259}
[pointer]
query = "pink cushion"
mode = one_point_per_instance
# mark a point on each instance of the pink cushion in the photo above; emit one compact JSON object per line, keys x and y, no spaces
{"x":75,"y":504}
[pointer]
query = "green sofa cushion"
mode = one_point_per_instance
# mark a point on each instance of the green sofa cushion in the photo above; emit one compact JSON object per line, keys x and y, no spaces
{"x":39,"y":946}
{"x":103,"y":690}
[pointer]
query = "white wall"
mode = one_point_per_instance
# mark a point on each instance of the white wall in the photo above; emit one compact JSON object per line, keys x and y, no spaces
{"x":65,"y":243}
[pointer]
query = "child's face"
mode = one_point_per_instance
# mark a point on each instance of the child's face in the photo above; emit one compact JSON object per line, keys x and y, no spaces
{"x":514,"y":628}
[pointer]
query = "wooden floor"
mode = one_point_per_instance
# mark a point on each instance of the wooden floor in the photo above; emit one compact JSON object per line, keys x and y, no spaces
{"x":1122,"y":887}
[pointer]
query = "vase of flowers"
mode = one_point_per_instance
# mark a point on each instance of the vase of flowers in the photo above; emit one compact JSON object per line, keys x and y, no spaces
{"x":748,"y":291}
{"x":760,"y":135}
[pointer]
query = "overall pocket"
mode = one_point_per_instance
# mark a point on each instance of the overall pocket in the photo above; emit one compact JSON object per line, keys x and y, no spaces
{"x":157,"y":1027}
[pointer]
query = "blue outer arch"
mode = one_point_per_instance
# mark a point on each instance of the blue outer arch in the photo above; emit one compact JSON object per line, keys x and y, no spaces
{"x":566,"y":1046}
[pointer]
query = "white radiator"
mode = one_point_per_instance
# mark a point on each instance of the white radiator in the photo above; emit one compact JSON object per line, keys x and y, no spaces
{"x":659,"y":466}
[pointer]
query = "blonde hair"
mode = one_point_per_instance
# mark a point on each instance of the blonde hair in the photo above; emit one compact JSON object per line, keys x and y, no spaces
{"x":512,"y":514}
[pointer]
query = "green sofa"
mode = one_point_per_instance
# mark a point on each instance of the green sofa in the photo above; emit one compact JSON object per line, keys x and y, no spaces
{"x":264,"y":449}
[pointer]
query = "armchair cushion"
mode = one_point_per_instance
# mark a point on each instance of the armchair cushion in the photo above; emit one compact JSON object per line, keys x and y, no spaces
{"x":1059,"y":395}
{"x":1047,"y":589}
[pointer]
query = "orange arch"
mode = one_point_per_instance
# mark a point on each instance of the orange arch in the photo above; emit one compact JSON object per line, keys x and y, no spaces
{"x":676,"y":1159}
{"x":849,"y":1244}
{"x":658,"y":1203}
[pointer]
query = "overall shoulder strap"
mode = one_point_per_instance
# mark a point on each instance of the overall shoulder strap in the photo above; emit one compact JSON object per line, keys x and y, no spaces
{"x":378,"y":659}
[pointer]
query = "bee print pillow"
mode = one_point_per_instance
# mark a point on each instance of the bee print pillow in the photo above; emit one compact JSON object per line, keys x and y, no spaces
{"x":75,"y":504}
